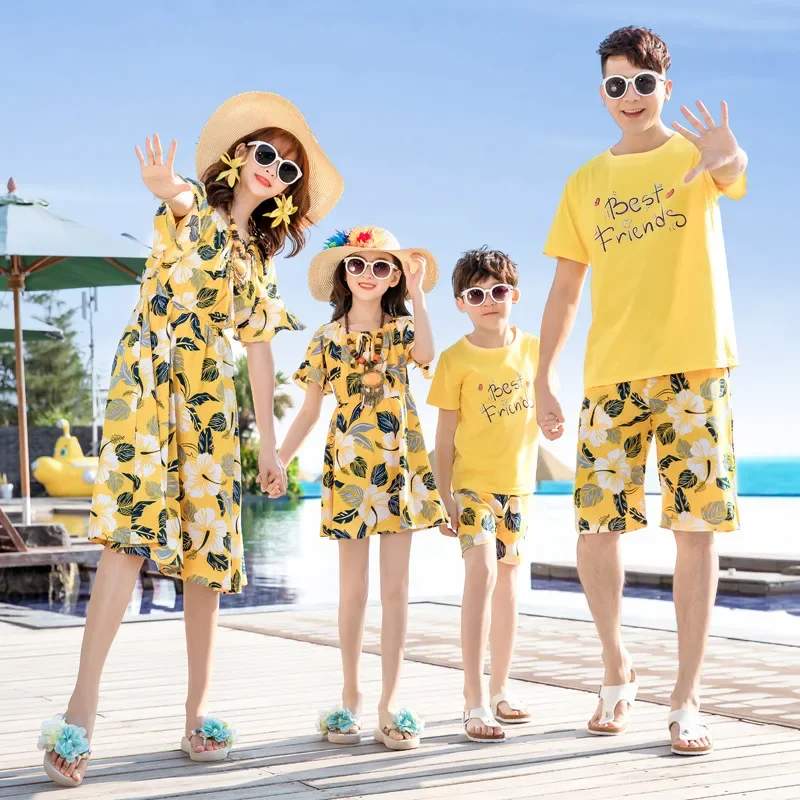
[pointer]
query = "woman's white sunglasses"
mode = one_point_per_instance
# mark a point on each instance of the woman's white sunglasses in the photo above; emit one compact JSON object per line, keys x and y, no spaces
{"x":476,"y":296}
{"x":645,"y":83}
{"x":265,"y":155}
{"x":380,"y":269}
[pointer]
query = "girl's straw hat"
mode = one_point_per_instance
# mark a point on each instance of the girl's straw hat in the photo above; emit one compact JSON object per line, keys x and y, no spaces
{"x":345,"y":243}
{"x":250,"y":111}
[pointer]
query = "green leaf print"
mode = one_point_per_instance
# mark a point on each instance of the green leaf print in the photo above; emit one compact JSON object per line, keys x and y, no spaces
{"x":152,"y":489}
{"x":200,"y":398}
{"x":617,"y":524}
{"x":379,"y":475}
{"x":351,"y":495}
{"x":711,"y":423}
{"x":513,"y":521}
{"x":729,"y":462}
{"x":637,"y":475}
{"x":723,"y":387}
{"x":657,"y":406}
{"x":394,"y":505}
{"x":388,"y":422}
{"x":591,"y":494}
{"x":428,"y":480}
{"x":468,"y":517}
{"x":415,"y":441}
{"x":678,"y":382}
{"x":683,"y":449}
{"x":687,"y":479}
{"x":614,"y":408}
{"x":639,"y":402}
{"x":115,"y":481}
{"x":186,"y":343}
{"x":637,"y":515}
{"x":665,"y":433}
{"x":708,"y":389}
{"x":359,"y":467}
{"x":158,"y":305}
{"x":714,"y":513}
{"x":162,"y":373}
{"x":206,"y":298}
{"x":343,"y":517}
{"x":587,"y":453}
{"x":487,"y":523}
{"x":723,"y":483}
{"x":353,"y":384}
{"x":217,"y":561}
{"x":205,"y":442}
{"x":633,"y":445}
{"x":398,"y":483}
{"x":125,"y":452}
{"x":430,"y":510}
{"x":152,"y":426}
{"x":681,"y":502}
{"x":623,"y":390}
{"x":583,"y":525}
{"x":218,"y":422}
{"x":206,"y":252}
{"x":117,"y":409}
{"x":468,"y":494}
{"x":621,"y":504}
{"x":614,"y":435}
{"x":210,"y":372}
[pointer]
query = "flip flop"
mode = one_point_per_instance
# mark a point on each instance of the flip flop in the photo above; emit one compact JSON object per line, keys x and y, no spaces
{"x":67,"y":741}
{"x":336,"y":725}
{"x":404,"y":721}
{"x":218,"y":731}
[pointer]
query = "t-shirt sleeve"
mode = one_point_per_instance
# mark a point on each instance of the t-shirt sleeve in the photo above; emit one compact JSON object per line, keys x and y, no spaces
{"x":405,"y":328}
{"x":313,"y":369}
{"x":445,"y":391}
{"x":565,"y":239}
{"x":735,"y":191}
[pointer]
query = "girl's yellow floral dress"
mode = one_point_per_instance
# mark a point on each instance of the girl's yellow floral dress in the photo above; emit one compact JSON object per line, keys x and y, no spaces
{"x":169,"y":478}
{"x":377,"y":477}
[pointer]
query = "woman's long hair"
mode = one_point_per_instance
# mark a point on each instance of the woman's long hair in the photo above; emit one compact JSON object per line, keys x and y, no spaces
{"x":269,"y":240}
{"x":393,"y":301}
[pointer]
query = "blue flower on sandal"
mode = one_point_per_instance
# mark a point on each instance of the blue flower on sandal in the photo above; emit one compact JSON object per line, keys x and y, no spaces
{"x":69,"y":741}
{"x":406,"y":721}
{"x":218,"y":730}
{"x":342,"y":720}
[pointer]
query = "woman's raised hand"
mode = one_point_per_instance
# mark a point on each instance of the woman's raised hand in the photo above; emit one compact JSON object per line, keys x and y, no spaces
{"x":157,"y":174}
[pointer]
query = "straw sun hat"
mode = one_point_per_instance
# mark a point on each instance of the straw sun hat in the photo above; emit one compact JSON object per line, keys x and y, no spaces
{"x":346,"y":243}
{"x":250,"y":111}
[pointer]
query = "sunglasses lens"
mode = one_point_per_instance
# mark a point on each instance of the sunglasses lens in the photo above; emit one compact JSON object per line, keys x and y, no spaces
{"x":288,"y":172}
{"x":356,"y":266}
{"x":382,"y":269}
{"x":265,"y":155}
{"x":500,"y":293}
{"x":475,"y":297}
{"x":615,"y":87}
{"x":645,"y":83}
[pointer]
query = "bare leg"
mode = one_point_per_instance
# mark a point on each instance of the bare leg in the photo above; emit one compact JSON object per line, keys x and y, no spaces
{"x":480,"y":576}
{"x":503,"y":633}
{"x":602,"y":577}
{"x":200,"y":613}
{"x":353,"y":590}
{"x":694,"y":590}
{"x":395,"y":555}
{"x":111,"y":593}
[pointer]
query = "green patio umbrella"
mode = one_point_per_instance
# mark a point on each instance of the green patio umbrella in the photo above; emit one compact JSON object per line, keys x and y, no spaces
{"x":42,"y":251}
{"x":33,"y":330}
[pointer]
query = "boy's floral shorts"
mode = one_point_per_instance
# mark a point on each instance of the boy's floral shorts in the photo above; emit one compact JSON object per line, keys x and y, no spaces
{"x":690,"y":416}
{"x":499,"y":519}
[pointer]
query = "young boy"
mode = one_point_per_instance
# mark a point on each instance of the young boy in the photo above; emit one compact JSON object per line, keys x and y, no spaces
{"x":645,"y":215}
{"x":486,"y":469}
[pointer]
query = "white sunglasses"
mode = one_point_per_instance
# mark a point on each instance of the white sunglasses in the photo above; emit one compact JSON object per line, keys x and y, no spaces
{"x":476,"y":295}
{"x":265,"y":155}
{"x":380,"y":269}
{"x":645,"y":83}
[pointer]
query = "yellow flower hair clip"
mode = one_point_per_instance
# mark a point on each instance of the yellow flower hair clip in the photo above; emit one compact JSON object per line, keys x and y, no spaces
{"x":231,"y":175}
{"x":283,"y":211}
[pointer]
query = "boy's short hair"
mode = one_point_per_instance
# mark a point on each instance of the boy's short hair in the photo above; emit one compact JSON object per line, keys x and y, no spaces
{"x":642,"y":47}
{"x":476,"y":266}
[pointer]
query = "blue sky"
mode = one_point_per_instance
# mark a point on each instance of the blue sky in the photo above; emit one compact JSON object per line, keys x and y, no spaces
{"x":454,"y":124}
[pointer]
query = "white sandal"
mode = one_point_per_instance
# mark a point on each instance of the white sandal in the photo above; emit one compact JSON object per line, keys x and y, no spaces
{"x":515,"y":704}
{"x":485,"y":716}
{"x":216,"y":730}
{"x":335,"y":725}
{"x":404,"y":721}
{"x":66,"y":740}
{"x":691,"y":729}
{"x":609,"y":697}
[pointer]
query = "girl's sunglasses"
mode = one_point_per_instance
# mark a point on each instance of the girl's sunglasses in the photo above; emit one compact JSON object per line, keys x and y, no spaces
{"x":380,"y":269}
{"x":476,"y":296}
{"x":644,"y":83}
{"x":266,"y":155}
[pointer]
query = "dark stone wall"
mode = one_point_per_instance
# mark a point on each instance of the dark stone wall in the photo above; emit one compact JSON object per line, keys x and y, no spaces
{"x":41,"y":441}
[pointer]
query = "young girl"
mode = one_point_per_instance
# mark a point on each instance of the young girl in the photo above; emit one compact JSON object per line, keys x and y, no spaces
{"x":169,"y":480}
{"x":377,"y":478}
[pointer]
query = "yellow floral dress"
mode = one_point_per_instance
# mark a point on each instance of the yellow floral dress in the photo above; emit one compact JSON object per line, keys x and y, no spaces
{"x":377,"y":477}
{"x":169,"y":477}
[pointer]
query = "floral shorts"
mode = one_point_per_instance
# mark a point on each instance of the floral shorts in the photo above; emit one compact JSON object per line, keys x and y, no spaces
{"x":484,"y":518}
{"x":690,"y":416}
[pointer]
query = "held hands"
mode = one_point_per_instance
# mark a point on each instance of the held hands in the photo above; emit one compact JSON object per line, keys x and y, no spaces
{"x":549,"y":415}
{"x":717,"y":144}
{"x":157,"y":174}
{"x":271,"y":473}
{"x":414,"y":270}
{"x":452,"y":512}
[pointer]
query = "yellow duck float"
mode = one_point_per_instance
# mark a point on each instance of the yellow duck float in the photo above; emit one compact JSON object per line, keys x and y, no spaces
{"x":68,"y":473}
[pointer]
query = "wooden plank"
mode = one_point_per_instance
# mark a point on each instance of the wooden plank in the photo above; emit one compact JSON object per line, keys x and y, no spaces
{"x":44,"y":556}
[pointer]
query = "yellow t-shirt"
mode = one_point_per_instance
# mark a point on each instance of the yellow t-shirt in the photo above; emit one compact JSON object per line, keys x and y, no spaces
{"x":492,"y":390}
{"x":660,"y":296}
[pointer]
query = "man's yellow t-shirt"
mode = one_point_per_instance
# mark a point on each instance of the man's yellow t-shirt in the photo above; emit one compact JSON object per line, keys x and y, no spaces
{"x":492,"y":390}
{"x":661,"y":300}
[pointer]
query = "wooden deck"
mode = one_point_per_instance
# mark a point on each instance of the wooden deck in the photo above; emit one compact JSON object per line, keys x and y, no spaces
{"x":270,"y":688}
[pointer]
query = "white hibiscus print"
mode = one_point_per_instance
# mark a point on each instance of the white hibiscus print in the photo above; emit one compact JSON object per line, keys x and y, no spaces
{"x":174,"y":534}
{"x":179,"y":412}
{"x":184,"y":267}
{"x":107,"y":462}
{"x":148,"y":455}
{"x":202,"y":477}
{"x":101,"y":515}
{"x":163,"y":347}
{"x":345,"y":447}
{"x":613,"y":471}
{"x":705,"y":460}
{"x":146,"y":375}
{"x":334,"y":332}
{"x":207,"y":530}
{"x":186,"y":301}
{"x":374,"y":506}
{"x":688,"y":522}
{"x":418,"y":495}
{"x":595,"y":424}
{"x":391,"y":449}
{"x":687,"y":411}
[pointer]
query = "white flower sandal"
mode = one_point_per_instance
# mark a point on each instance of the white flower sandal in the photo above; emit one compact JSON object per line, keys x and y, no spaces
{"x":485,"y":716}
{"x":335,"y":726}
{"x":67,"y":741}
{"x":405,"y":721}
{"x":691,"y":729}
{"x":609,"y":697}
{"x":215,"y":730}
{"x":515,"y":704}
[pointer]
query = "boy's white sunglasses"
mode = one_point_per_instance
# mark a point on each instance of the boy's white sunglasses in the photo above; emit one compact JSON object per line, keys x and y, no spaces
{"x":645,"y":83}
{"x":476,"y":296}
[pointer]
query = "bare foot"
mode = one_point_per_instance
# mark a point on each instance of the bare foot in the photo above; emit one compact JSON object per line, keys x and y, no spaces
{"x":83,"y":719}
{"x":197,"y":740}
{"x":476,"y":727}
{"x":385,"y":720}
{"x":76,"y":770}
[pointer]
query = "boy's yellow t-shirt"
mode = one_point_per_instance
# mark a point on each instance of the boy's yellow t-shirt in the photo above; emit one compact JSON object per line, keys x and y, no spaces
{"x":492,"y":390}
{"x":660,"y":295}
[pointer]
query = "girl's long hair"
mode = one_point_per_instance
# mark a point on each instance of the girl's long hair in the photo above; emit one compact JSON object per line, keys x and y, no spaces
{"x":269,"y":240}
{"x":393,"y":301}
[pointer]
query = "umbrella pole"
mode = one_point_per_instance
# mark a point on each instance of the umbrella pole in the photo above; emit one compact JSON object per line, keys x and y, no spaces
{"x":16,"y":281}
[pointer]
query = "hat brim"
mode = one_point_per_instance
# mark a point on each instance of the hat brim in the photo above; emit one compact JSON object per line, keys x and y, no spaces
{"x":323,"y":267}
{"x":248,"y":112}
